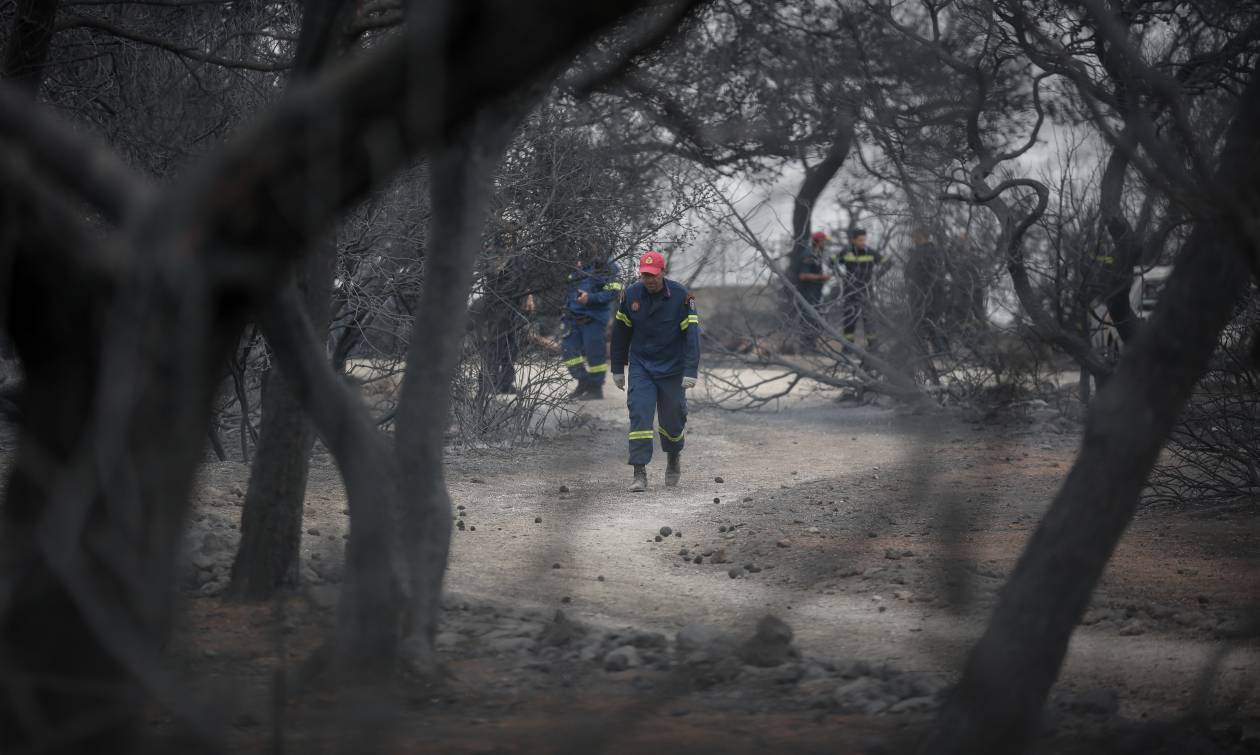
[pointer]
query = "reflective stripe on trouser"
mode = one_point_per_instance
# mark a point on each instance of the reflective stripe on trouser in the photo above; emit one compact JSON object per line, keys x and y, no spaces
{"x":661,"y":400}
{"x":585,"y":351}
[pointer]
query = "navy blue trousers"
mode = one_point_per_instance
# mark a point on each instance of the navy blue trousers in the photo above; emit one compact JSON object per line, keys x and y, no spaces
{"x":585,"y":350}
{"x":664,"y":398}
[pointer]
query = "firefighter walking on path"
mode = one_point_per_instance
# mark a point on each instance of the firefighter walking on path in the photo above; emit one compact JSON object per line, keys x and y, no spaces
{"x":657,"y":335}
{"x":588,"y":303}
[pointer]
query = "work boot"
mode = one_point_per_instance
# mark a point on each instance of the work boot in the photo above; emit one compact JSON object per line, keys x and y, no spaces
{"x":594,"y":392}
{"x":640,"y":479}
{"x":579,"y":392}
{"x":673,"y":470}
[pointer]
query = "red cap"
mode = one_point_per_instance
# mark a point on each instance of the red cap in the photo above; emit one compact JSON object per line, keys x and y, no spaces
{"x":820,"y":236}
{"x":652,"y":263}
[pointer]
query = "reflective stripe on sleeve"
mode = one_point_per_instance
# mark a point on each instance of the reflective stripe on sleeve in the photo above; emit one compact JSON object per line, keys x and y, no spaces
{"x":614,"y":286}
{"x":622,"y":317}
{"x":574,"y":362}
{"x":859,"y":258}
{"x":597,"y":367}
{"x":641,"y":434}
{"x":689,"y":320}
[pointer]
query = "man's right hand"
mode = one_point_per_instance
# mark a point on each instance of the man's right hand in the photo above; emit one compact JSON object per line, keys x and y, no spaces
{"x":619,"y":380}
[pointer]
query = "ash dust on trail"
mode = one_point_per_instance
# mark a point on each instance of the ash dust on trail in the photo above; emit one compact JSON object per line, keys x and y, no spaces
{"x":876,"y":534}
{"x":879,"y":536}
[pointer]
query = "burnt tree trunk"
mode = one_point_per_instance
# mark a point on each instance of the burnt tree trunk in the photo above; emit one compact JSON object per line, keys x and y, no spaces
{"x":1009,"y":672}
{"x":271,"y":520}
{"x":460,"y":185}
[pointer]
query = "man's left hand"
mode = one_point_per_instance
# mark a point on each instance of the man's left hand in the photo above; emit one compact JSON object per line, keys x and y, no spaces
{"x":583,"y":297}
{"x":689,"y":383}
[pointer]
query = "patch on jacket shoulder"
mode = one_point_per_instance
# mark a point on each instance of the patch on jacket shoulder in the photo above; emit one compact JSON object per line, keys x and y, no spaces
{"x":634,"y":306}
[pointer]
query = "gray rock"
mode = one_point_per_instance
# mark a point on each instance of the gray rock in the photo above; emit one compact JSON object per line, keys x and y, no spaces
{"x":560,"y":632}
{"x":203,"y":560}
{"x":667,"y":531}
{"x":704,"y":638}
{"x":510,"y":644}
{"x":313,"y":531}
{"x":644,"y":640}
{"x":1132,"y":628}
{"x":913,"y":705}
{"x":770,"y":646}
{"x":214,"y":542}
{"x":624,"y":657}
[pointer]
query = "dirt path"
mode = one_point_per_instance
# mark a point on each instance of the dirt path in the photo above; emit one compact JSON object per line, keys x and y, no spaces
{"x":881,"y":537}
{"x":844,"y":510}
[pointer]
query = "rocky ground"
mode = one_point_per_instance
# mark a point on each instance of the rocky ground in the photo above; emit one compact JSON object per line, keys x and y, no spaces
{"x":813,"y":585}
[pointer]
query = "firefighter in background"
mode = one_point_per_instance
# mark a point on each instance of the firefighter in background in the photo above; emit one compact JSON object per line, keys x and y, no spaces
{"x":811,"y":279}
{"x":593,"y":289}
{"x":858,"y":266}
{"x":656,"y":335}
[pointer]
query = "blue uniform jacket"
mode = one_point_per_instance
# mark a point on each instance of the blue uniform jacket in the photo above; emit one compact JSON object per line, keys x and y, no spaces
{"x":600,"y":283}
{"x":658,"y":333}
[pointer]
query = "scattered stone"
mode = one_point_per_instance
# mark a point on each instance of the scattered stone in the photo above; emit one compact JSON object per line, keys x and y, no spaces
{"x":913,"y":705}
{"x":784,"y":544}
{"x":659,"y":538}
{"x":566,"y":599}
{"x":770,"y":646}
{"x":747,"y":499}
{"x":624,"y":657}
{"x":472,"y":528}
{"x":564,"y":488}
{"x":752,"y":568}
{"x":667,"y":531}
{"x":719,"y":556}
{"x":560,"y":632}
{"x":698,"y":560}
{"x":813,"y":530}
{"x":719,"y":480}
{"x":872,"y":534}
{"x":716,"y":499}
{"x":703,"y":638}
{"x":476,"y":481}
{"x":556,"y":565}
{"x":722,"y":528}
{"x":1132,"y":628}
{"x":684,"y":552}
{"x":459,"y":524}
{"x":600,"y":578}
{"x":538,"y":520}
{"x":649,"y":640}
{"x":892,"y":554}
{"x":735,"y":573}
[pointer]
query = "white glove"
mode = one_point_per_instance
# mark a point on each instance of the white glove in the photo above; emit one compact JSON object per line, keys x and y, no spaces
{"x":619,"y":380}
{"x":689,"y":383}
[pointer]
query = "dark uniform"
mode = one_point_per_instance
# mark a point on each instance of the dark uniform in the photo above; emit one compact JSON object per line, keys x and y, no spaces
{"x":857,"y":268}
{"x":584,"y":344}
{"x":506,"y":289}
{"x":926,"y":290}
{"x":658,"y":337}
{"x":812,"y":291}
